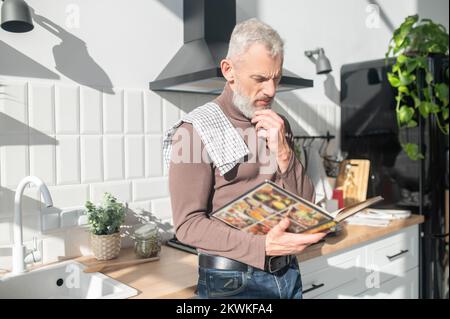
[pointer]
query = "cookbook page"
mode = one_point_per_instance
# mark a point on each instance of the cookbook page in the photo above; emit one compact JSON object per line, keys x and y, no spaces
{"x":263,"y":207}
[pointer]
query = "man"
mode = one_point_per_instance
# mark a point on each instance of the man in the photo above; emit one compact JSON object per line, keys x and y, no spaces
{"x":233,"y":263}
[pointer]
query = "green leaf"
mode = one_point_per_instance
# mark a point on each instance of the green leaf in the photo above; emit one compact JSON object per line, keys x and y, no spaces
{"x":412,"y":150}
{"x":403,"y":89}
{"x":417,"y":101}
{"x":423,"y":109}
{"x":395,"y":81}
{"x":412,"y":124}
{"x":395,"y":67}
{"x":411,"y":65}
{"x":433,"y":108}
{"x":402,"y":58}
{"x":426,"y":108}
{"x":421,"y":62}
{"x":106,"y":218}
{"x":426,"y":93}
{"x":406,"y":78}
{"x":445,"y":113}
{"x":441,"y":90}
{"x":405,"y":114}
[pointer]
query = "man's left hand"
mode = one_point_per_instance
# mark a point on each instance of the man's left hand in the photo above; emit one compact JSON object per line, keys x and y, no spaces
{"x":275,"y":129}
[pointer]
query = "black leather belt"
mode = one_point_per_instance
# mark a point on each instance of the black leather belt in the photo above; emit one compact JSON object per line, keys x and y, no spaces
{"x":272,"y":264}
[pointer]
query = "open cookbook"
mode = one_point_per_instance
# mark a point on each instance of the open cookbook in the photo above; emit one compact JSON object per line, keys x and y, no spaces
{"x":264,"y":206}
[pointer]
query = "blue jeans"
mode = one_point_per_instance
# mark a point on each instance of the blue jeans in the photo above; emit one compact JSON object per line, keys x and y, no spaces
{"x":252,"y":284}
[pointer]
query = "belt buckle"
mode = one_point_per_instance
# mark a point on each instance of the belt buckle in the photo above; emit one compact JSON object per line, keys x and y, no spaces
{"x":271,"y":258}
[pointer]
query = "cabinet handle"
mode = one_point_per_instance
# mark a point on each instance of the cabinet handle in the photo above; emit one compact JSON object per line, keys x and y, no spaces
{"x":396,"y":255}
{"x":314,"y":287}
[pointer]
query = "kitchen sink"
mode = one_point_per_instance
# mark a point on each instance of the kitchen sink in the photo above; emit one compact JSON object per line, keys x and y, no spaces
{"x":65,"y":280}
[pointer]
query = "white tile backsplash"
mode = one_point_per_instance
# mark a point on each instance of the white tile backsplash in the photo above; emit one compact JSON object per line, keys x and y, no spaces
{"x":43,"y":158}
{"x":42,"y":108}
{"x":153,"y":112}
{"x":171,"y":113}
{"x":67,"y":109}
{"x":53,"y":247}
{"x":121,"y":190}
{"x":6,"y":235}
{"x":153,"y":154}
{"x":76,"y":242}
{"x":50,"y":222}
{"x":14,"y":108}
{"x":31,"y":200}
{"x":113,"y":158}
{"x":162,"y":208}
{"x":69,"y":195}
{"x":134,"y":156}
{"x":14,"y":160}
{"x":31,"y":224}
{"x":69,"y":217}
{"x":91,"y":159}
{"x":113,"y":113}
{"x":138,"y":212}
{"x":68,"y":159}
{"x":134,"y":112}
{"x":91,"y":109}
{"x":150,"y":188}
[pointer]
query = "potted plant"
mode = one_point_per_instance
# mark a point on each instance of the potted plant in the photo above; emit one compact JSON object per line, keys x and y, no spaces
{"x":105,"y":221}
{"x":411,"y":46}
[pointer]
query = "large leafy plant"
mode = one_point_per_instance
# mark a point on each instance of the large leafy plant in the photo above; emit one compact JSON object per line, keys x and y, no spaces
{"x":106,"y":218}
{"x":411,"y":45}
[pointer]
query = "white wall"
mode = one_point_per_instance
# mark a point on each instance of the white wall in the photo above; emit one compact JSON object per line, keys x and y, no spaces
{"x":128,"y":41}
{"x":75,"y":108}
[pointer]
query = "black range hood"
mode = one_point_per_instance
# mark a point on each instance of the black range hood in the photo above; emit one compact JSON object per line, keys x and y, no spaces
{"x":195,"y":68}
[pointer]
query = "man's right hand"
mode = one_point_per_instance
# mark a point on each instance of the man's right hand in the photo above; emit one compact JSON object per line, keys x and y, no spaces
{"x":279,"y":242}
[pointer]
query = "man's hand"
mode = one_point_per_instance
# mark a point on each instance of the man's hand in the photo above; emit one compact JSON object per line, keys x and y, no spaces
{"x":279,"y":242}
{"x":275,"y":132}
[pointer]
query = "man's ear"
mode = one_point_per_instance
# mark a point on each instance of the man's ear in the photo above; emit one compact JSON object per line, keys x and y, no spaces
{"x":227,"y":70}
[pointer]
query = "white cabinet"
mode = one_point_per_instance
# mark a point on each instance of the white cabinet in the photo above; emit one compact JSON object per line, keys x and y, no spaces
{"x":382,"y":268}
{"x":401,"y":287}
{"x":342,"y":273}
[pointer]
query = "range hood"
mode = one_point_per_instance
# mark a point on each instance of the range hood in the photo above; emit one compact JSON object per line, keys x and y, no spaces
{"x":195,"y":68}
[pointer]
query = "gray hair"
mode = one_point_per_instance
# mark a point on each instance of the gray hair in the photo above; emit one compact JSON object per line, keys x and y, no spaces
{"x":254,"y":31}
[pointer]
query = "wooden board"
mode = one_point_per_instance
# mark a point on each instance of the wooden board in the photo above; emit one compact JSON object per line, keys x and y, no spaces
{"x":353,"y":179}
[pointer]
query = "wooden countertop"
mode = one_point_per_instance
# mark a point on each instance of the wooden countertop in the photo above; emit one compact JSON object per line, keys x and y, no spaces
{"x":352,"y":235}
{"x":175,"y":274}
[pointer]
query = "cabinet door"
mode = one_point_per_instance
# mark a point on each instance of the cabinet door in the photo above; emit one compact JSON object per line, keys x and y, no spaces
{"x":344,"y":271}
{"x":394,"y":255}
{"x":402,"y":287}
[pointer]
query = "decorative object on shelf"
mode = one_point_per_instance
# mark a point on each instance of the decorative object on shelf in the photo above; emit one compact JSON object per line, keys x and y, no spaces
{"x":323,"y":65}
{"x":105,"y":221}
{"x":147,"y":241}
{"x":411,"y":45}
{"x":16,"y":16}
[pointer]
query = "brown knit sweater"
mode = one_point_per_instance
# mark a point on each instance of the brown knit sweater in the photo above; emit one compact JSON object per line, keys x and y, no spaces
{"x":197,"y":189}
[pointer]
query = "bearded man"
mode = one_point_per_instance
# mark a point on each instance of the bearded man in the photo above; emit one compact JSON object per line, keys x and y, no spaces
{"x":225,"y":148}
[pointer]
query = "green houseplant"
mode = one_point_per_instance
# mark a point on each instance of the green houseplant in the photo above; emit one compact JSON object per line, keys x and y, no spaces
{"x":104,"y":222}
{"x":411,"y":46}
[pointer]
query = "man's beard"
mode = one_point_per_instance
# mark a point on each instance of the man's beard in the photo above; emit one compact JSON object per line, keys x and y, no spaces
{"x":244,"y":104}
